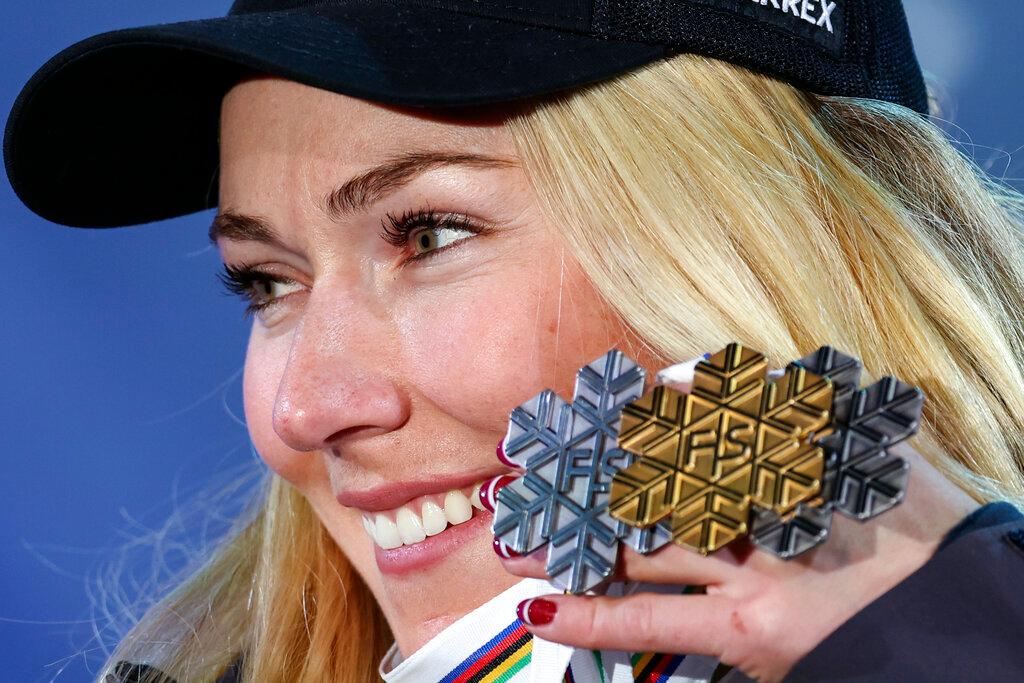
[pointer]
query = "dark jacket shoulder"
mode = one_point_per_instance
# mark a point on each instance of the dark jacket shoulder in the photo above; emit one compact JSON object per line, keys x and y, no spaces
{"x":959,"y":617}
{"x":127,"y":672}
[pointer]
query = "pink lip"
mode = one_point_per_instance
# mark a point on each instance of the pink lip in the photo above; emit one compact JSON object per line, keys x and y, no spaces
{"x":393,"y":494}
{"x":410,"y":558}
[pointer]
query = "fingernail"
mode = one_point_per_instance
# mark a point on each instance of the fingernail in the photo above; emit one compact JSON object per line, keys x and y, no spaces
{"x":536,"y":611}
{"x":500,"y":452}
{"x":489,"y":491}
{"x":503,"y":550}
{"x":680,"y":373}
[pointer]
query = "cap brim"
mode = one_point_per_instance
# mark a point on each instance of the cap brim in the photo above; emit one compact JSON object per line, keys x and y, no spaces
{"x":121,"y":128}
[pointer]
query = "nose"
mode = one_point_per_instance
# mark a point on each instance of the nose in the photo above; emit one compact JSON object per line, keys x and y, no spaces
{"x":339,"y":383}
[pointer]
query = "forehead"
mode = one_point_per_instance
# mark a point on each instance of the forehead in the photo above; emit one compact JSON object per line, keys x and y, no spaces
{"x":271,"y":118}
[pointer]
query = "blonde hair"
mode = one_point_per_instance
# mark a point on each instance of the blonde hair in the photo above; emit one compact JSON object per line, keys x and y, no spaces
{"x":708,"y":204}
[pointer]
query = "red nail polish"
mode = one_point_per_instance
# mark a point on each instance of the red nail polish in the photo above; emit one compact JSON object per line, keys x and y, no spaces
{"x":502,"y":550}
{"x":489,"y":491}
{"x":536,"y":611}
{"x":500,"y":452}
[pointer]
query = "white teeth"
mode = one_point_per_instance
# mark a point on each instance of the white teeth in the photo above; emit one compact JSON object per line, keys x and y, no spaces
{"x":410,"y":528}
{"x":457,"y":508}
{"x":404,"y":526}
{"x":434,"y":521}
{"x":385,"y":533}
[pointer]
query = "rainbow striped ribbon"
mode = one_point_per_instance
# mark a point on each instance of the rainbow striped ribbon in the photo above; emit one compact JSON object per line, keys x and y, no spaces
{"x":498,"y":660}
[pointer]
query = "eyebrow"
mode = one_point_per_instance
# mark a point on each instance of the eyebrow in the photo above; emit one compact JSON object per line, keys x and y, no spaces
{"x":358,"y":193}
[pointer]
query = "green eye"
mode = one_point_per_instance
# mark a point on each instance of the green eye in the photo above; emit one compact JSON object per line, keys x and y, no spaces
{"x":432,"y":239}
{"x":427,"y":232}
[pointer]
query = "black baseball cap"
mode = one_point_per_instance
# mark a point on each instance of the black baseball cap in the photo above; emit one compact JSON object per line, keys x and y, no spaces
{"x":121,"y":128}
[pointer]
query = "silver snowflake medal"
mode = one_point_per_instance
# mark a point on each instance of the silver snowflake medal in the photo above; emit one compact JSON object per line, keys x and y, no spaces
{"x":862,"y":478}
{"x":569,"y":453}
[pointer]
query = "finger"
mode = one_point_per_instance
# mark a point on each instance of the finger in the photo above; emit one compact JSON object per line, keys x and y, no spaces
{"x":680,"y":375}
{"x":675,"y":565}
{"x":500,"y":453}
{"x":528,"y":566}
{"x":670,"y":565}
{"x":489,"y":490}
{"x":644,"y":622}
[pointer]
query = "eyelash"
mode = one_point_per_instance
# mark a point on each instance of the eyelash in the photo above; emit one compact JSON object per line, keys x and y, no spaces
{"x":239,"y":280}
{"x":396,"y":231}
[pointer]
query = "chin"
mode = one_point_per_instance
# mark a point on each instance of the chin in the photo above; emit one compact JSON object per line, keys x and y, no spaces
{"x":425,"y":586}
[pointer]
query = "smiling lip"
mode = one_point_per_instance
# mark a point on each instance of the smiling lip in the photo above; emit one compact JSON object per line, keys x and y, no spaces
{"x":392,"y":495}
{"x":410,"y":558}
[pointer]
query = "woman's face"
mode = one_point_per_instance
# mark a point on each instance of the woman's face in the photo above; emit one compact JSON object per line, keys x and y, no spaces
{"x":381,"y":375}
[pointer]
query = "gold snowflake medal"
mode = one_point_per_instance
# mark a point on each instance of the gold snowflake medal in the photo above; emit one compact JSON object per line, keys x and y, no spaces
{"x":740,"y":454}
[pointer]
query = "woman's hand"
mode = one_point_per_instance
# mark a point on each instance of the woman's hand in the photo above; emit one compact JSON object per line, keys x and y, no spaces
{"x":760,"y":613}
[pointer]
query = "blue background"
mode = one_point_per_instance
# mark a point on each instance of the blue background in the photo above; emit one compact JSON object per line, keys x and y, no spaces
{"x":121,"y":358}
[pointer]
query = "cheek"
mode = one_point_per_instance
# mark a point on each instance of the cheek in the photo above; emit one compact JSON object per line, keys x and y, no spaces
{"x":494,"y":343}
{"x":265,"y":361}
